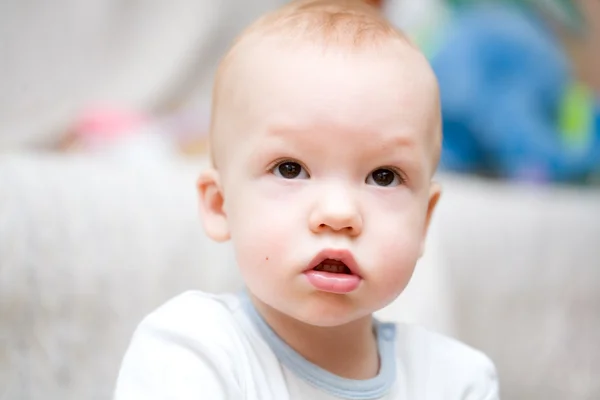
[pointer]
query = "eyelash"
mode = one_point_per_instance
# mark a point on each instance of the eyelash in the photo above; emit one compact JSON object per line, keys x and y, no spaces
{"x":395,"y":170}
{"x":280,"y":161}
{"x":399,"y":174}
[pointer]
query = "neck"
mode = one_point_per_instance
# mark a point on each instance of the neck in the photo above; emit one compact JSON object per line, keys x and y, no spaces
{"x":349,"y":351}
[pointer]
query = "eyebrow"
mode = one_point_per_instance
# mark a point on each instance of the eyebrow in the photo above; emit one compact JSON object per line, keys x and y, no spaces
{"x":395,"y":142}
{"x":372,"y":142}
{"x":398,"y":147}
{"x":282,"y":130}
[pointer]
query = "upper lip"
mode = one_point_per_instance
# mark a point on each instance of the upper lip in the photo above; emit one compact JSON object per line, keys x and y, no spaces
{"x":342,"y":255}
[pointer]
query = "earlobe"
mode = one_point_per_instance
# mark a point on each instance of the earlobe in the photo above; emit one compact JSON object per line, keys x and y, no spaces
{"x":212,"y":209}
{"x":435,"y":191}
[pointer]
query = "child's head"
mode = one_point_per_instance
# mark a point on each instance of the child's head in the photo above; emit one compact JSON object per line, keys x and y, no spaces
{"x":325,"y":137}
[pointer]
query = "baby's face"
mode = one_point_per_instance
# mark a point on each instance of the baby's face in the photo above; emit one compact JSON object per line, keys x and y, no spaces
{"x":326,"y":177}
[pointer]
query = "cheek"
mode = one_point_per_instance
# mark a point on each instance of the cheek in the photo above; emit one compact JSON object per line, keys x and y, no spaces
{"x":397,"y":256}
{"x":257,"y":205}
{"x":263,"y":222}
{"x":396,"y":235}
{"x":397,"y":221}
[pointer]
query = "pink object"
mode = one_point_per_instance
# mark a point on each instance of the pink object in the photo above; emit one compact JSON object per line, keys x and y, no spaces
{"x":109,"y":123}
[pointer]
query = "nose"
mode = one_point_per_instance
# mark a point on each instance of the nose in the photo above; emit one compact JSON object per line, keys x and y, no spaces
{"x":336,"y":210}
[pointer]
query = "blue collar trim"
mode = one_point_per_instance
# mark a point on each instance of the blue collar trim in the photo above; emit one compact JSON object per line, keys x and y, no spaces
{"x":350,"y":389}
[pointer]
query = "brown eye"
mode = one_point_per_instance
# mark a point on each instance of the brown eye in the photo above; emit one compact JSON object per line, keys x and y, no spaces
{"x":383,"y":177}
{"x":290,"y":170}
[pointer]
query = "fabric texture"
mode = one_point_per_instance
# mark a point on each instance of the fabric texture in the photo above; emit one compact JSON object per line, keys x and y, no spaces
{"x":88,"y":247}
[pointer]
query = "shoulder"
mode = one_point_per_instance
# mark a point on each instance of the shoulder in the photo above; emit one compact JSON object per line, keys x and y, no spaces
{"x":446,"y":365}
{"x":195,"y":317}
{"x":194,"y":307}
{"x":187,"y":346}
{"x":414,"y":340}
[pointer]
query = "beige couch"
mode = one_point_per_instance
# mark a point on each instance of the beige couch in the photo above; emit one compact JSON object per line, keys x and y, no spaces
{"x":89,"y":246}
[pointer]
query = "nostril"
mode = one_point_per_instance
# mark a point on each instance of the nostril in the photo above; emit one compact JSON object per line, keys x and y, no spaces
{"x":324,"y":227}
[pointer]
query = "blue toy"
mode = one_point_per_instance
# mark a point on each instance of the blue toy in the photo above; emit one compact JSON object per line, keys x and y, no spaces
{"x":510,"y":106}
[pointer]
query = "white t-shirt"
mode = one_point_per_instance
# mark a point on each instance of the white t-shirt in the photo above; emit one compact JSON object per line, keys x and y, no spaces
{"x":202,"y":346}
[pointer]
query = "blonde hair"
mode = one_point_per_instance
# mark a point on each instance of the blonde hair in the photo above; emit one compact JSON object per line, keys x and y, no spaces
{"x":346,"y":24}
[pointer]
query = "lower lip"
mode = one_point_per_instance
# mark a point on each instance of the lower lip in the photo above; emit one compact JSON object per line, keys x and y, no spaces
{"x":333,"y":283}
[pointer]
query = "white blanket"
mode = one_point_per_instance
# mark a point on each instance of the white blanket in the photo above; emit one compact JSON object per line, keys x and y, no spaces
{"x":89,"y":246}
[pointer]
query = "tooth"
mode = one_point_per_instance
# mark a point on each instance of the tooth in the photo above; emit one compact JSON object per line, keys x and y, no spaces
{"x":332,"y":268}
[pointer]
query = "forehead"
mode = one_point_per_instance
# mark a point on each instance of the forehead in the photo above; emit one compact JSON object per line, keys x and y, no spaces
{"x":329,"y":83}
{"x":387,"y":92}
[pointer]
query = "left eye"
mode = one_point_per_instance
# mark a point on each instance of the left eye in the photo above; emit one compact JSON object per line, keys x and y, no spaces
{"x":290,"y":170}
{"x":383,"y":177}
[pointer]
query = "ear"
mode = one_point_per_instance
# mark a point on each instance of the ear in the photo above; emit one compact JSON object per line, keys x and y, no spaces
{"x":212,"y":208}
{"x":435,"y":191}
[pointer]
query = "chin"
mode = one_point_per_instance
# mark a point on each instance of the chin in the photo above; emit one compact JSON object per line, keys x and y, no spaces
{"x":328,"y":321}
{"x":328,"y":310}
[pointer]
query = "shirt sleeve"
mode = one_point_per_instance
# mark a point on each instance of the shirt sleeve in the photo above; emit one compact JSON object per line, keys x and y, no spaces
{"x":485,"y":382}
{"x":164,"y":363}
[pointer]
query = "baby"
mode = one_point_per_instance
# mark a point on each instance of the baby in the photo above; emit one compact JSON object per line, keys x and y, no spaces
{"x":325,"y":137}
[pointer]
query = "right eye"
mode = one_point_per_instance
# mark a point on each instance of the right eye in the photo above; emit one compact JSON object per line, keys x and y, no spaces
{"x":290,"y":170}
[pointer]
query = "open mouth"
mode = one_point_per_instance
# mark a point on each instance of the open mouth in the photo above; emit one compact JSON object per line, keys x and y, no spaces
{"x":333,"y":266}
{"x":334,"y":271}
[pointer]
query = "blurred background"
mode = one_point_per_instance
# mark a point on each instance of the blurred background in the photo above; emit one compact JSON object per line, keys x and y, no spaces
{"x":104,"y":110}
